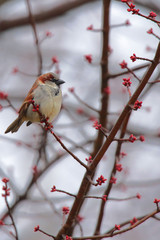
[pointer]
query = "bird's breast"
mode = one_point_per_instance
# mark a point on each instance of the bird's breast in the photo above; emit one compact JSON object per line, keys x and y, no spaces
{"x":49,"y":99}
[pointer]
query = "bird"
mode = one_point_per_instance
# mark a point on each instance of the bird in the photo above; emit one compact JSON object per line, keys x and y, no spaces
{"x":46,"y":94}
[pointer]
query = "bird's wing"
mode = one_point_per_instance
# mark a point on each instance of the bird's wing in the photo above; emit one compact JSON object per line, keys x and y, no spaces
{"x":27,"y":100}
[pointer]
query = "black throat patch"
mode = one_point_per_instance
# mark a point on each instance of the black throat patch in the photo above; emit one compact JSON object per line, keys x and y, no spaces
{"x":56,"y":92}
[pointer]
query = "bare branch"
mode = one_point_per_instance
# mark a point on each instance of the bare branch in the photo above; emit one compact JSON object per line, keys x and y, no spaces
{"x":52,"y":12}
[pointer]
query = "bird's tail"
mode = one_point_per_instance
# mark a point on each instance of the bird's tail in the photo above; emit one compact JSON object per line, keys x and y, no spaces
{"x":15,"y":125}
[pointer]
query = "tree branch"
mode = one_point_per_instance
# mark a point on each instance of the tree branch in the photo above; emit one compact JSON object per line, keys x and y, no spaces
{"x":111,"y":234}
{"x":52,"y":12}
{"x":32,"y":22}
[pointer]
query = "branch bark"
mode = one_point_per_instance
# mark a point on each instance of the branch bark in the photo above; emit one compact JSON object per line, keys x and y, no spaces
{"x":43,"y":16}
{"x":111,"y":234}
{"x":104,"y":101}
{"x":82,"y":190}
{"x":113,"y":172}
{"x":127,"y":109}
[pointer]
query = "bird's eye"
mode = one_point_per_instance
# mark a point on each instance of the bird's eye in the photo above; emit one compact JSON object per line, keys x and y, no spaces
{"x":53,"y":79}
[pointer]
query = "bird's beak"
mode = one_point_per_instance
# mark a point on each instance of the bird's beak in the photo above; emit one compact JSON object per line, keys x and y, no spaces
{"x":59,"y":82}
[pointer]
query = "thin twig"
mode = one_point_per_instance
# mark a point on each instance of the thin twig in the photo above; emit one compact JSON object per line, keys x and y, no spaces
{"x":84,"y":103}
{"x":47,"y":234}
{"x":111,"y":234}
{"x":11,"y":105}
{"x":132,"y":72}
{"x":111,"y":199}
{"x":45,"y":197}
{"x":10,"y":214}
{"x":67,"y":150}
{"x":119,"y":25}
{"x":126,"y":72}
{"x":62,"y":191}
{"x":32,"y":22}
{"x":75,"y":144}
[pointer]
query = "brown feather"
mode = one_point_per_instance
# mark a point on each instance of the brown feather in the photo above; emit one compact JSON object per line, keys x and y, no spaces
{"x":15,"y":125}
{"x":23,"y":114}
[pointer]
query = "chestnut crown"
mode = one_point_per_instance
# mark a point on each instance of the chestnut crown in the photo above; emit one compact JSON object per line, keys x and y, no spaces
{"x":51,"y":77}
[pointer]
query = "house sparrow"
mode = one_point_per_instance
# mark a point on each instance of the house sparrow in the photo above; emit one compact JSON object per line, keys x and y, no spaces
{"x":47,"y":94}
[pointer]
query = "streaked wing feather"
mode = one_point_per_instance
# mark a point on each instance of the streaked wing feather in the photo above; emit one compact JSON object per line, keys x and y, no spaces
{"x":26,"y":101}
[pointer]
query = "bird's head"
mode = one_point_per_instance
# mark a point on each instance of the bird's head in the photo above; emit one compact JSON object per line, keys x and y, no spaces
{"x":51,"y":77}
